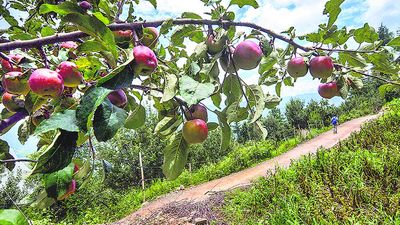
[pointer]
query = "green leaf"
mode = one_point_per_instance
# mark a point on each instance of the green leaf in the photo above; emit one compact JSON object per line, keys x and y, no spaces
{"x":256,"y":99}
{"x":191,"y":15}
{"x":47,"y":31}
{"x":365,"y":34}
{"x":170,"y":85}
{"x":4,"y":154}
{"x":57,"y":155}
{"x":261,"y":130}
{"x":101,"y":17}
{"x":153,"y":2}
{"x":353,"y":59}
{"x":168,"y":124}
{"x":332,"y":9}
{"x":232,"y":89}
{"x":181,"y":33}
{"x":61,"y":9}
{"x":226,"y":133}
{"x":394,"y":42}
{"x":120,"y":77}
{"x":56,"y":184}
{"x":136,"y":118}
{"x":216,"y":99}
{"x":212,"y":126}
{"x":95,"y":28}
{"x":65,"y":120}
{"x":175,"y":157}
{"x":278,"y":88}
{"x":90,"y":46}
{"x":93,"y":97}
{"x":166,"y":26}
{"x":24,"y":132}
{"x":192,"y":91}
{"x":266,"y":64}
{"x":271,"y":101}
{"x":235,"y":113}
{"x":242,"y":3}
{"x":12,"y":217}
{"x":108,"y":118}
{"x":355,"y":82}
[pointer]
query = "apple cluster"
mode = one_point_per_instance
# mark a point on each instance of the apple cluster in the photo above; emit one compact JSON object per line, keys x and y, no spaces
{"x":195,"y":129}
{"x":320,"y":67}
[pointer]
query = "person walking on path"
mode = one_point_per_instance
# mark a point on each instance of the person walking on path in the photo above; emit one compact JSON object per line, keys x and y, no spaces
{"x":335,"y":122}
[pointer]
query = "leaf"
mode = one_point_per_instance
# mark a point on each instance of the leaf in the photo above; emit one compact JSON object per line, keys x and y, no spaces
{"x":235,"y":113}
{"x":353,"y":59}
{"x":170,"y":84}
{"x":271,"y":101}
{"x":47,"y":31}
{"x":108,"y":118}
{"x":90,"y":46}
{"x":95,"y":28}
{"x":56,"y":184}
{"x":12,"y":217}
{"x":242,"y":3}
{"x":4,"y":155}
{"x":181,"y":33}
{"x":120,"y":77}
{"x":65,"y":120}
{"x":101,"y":17}
{"x":168,"y":124}
{"x":261,"y":130}
{"x":256,"y":99}
{"x":166,"y":26}
{"x":278,"y":88}
{"x":266,"y":64}
{"x":365,"y":34}
{"x":192,"y":91}
{"x":232,"y":89}
{"x":216,"y":99}
{"x":226,"y":133}
{"x":394,"y":42}
{"x":356,"y":82}
{"x":175,"y":157}
{"x":212,"y":126}
{"x":136,"y":118}
{"x":107,"y":168}
{"x":93,"y":97}
{"x":57,"y":155}
{"x":153,"y":2}
{"x":332,"y":9}
{"x":64,"y":8}
{"x":191,"y":15}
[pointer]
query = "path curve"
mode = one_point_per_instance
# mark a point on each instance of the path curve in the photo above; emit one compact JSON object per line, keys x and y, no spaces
{"x":244,"y":177}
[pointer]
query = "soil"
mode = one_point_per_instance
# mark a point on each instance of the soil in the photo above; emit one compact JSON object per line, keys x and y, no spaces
{"x":196,"y":203}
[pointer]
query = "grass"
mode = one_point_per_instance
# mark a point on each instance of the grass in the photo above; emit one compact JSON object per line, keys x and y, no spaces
{"x":356,"y":182}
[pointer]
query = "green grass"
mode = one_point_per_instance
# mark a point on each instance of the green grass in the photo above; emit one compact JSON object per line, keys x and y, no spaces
{"x":356,"y":182}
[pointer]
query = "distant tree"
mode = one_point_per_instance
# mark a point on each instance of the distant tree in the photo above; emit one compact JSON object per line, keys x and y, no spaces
{"x":277,"y":126}
{"x":296,"y":113}
{"x":11,"y":189}
{"x":384,"y":34}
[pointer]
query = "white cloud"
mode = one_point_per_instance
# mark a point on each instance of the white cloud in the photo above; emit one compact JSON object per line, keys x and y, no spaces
{"x":383,"y":11}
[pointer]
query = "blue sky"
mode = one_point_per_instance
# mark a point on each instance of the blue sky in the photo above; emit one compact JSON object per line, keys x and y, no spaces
{"x":277,"y":15}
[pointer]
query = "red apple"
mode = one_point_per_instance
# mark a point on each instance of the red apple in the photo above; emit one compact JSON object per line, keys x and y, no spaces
{"x":195,"y":131}
{"x":69,"y":45}
{"x":215,"y":46}
{"x":85,"y":5}
{"x":15,"y":82}
{"x":71,"y":189}
{"x":145,"y":60}
{"x":328,"y":90}
{"x":247,"y":55}
{"x":70,"y":74}
{"x":11,"y":103}
{"x":197,"y":111}
{"x":46,"y":83}
{"x":118,"y":98}
{"x":149,"y":37}
{"x":321,"y":67}
{"x":297,"y":67}
{"x":224,"y":60}
{"x":8,"y":67}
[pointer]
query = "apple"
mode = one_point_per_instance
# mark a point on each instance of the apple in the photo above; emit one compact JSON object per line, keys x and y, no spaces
{"x":321,"y":67}
{"x":70,"y":74}
{"x":15,"y":82}
{"x":149,"y":37}
{"x":118,"y":98}
{"x":196,"y":111}
{"x":224,"y":60}
{"x":195,"y":131}
{"x":46,"y":83}
{"x":11,"y":103}
{"x":328,"y":90}
{"x":214,"y":45}
{"x":247,"y":55}
{"x":71,"y":189}
{"x":123,"y":35}
{"x":85,"y":5}
{"x":8,"y":67}
{"x":297,"y":67}
{"x":69,"y":45}
{"x":145,"y":60}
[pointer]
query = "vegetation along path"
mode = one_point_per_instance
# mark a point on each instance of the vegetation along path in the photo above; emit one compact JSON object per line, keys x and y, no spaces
{"x":244,"y":177}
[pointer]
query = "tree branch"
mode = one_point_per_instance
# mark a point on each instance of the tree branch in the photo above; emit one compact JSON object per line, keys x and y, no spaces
{"x":12,"y":119}
{"x":17,"y":160}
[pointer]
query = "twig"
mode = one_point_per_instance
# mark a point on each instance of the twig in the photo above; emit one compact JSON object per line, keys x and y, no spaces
{"x":12,"y":119}
{"x":44,"y":57}
{"x":17,"y":160}
{"x":343,"y":50}
{"x":120,"y":6}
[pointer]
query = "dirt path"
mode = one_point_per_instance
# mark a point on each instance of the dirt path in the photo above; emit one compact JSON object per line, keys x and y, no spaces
{"x":241,"y":178}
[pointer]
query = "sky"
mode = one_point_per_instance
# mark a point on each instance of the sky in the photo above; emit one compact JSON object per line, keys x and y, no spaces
{"x":278,"y":15}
